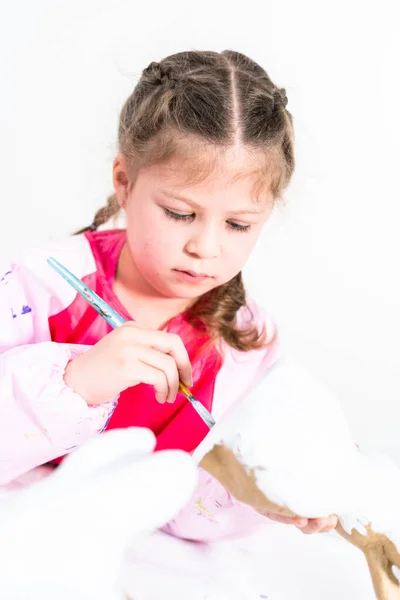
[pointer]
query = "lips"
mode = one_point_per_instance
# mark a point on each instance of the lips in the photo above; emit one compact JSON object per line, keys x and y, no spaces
{"x":193,"y":273}
{"x":191,"y":276}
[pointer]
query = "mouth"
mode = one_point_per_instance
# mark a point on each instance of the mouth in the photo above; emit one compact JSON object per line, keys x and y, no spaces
{"x":193,"y":275}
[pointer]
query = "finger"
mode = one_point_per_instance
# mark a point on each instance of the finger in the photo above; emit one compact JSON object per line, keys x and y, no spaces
{"x":330,"y":524}
{"x":298,"y":521}
{"x":168,"y":343}
{"x":310,"y":529}
{"x":162,"y":362}
{"x":327,"y":529}
{"x":314,"y":526}
{"x":150,"y":375}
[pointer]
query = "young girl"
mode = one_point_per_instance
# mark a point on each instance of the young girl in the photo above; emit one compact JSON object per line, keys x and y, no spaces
{"x":205,"y":150}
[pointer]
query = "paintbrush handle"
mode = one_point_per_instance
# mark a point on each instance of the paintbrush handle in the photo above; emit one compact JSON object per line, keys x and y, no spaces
{"x":109,"y":314}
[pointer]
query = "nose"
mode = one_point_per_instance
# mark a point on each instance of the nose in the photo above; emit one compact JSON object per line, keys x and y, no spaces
{"x":204,"y":243}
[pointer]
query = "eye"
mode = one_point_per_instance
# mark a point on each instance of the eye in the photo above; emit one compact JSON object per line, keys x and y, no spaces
{"x":178,"y":216}
{"x":237,"y":227}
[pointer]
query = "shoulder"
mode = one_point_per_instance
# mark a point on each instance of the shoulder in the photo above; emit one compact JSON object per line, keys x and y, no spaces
{"x":79,"y":253}
{"x":241,"y":371}
{"x":74,"y":252}
{"x":254,"y":314}
{"x":27,"y":270}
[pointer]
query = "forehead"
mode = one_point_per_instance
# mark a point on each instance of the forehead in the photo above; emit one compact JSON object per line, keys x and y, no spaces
{"x":232,"y":172}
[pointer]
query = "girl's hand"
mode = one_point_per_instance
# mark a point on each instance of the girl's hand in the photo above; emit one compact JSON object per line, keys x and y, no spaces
{"x":307,"y":526}
{"x":126,"y":357}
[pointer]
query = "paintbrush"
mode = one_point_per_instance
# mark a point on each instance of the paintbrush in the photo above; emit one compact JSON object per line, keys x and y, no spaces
{"x":115,"y":320}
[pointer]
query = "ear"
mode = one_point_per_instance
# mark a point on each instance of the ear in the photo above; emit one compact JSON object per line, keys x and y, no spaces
{"x":121,"y":179}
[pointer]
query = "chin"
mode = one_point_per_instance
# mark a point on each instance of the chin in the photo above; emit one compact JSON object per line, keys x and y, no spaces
{"x":187,"y":292}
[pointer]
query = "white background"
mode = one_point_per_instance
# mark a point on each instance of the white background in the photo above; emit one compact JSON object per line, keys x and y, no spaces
{"x":327,"y":266}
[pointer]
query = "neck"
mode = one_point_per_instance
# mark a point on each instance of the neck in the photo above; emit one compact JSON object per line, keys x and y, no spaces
{"x":146,"y":305}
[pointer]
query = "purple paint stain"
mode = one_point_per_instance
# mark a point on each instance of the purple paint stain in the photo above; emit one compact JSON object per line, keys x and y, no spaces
{"x":14,"y":316}
{"x":26,"y":309}
{"x":4,"y":276}
{"x":263,"y":596}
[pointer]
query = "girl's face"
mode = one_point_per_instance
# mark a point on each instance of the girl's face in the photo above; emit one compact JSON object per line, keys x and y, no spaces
{"x":186,"y":239}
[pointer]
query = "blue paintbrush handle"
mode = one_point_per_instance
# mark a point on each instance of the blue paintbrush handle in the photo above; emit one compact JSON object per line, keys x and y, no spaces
{"x":108,"y":313}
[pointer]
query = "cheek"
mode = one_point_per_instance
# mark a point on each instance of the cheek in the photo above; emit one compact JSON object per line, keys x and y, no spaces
{"x":239,"y":249}
{"x":150,"y":237}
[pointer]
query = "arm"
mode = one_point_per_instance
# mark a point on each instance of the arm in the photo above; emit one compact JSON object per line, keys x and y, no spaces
{"x":41,"y":418}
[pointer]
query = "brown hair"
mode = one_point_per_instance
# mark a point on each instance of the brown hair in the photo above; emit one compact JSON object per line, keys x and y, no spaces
{"x":212,"y":98}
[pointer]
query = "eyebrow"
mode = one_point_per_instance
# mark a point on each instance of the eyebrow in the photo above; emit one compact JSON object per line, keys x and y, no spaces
{"x":193,"y":204}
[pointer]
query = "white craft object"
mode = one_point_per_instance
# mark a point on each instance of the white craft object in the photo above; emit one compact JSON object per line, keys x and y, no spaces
{"x":63,"y":538}
{"x":286,"y":447}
